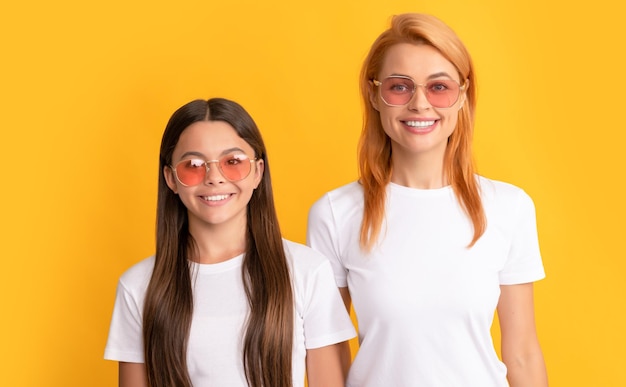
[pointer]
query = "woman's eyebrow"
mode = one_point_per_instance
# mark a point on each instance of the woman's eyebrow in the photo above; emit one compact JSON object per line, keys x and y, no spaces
{"x":431,"y":76}
{"x":439,"y":75}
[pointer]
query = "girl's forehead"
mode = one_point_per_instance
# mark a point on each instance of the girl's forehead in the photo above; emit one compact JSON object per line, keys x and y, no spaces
{"x":212,"y":139}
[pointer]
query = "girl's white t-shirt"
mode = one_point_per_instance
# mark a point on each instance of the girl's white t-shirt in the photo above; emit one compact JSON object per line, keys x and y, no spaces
{"x":214,"y":355}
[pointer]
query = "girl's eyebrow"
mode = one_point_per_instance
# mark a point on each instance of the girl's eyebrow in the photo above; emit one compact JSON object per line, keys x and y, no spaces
{"x":202,"y":156}
{"x":192,"y":153}
{"x":231,"y":150}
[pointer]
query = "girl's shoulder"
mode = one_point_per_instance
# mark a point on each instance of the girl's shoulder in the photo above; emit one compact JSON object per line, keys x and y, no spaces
{"x":302,"y":258}
{"x":296,"y":251}
{"x":310,"y":271}
{"x":138,"y":275}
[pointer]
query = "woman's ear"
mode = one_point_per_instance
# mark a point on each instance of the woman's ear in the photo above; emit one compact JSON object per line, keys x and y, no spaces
{"x":258,"y":172}
{"x":170,"y":179}
{"x":462,"y":101}
{"x":372,"y":95}
{"x":463,"y":95}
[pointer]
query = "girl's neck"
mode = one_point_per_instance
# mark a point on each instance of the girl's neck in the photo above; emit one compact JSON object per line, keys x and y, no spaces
{"x":217,"y":243}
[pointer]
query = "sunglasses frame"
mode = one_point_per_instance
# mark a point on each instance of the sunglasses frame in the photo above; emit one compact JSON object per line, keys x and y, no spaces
{"x":415,"y":86}
{"x":207,"y":168}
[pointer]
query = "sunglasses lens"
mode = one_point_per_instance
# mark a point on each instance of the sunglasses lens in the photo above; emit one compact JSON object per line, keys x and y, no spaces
{"x":396,"y":90}
{"x":235,"y":167}
{"x":442,"y":93}
{"x":191,"y":172}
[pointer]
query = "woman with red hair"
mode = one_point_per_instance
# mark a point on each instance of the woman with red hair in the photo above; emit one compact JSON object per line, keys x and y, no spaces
{"x":425,"y":248}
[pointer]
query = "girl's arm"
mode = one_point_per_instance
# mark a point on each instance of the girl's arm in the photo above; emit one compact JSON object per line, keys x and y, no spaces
{"x":328,"y":366}
{"x":520,"y":346}
{"x":345,"y":296}
{"x":132,"y":375}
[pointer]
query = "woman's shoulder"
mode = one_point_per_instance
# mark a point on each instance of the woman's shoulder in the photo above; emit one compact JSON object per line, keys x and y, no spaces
{"x":497,"y":188}
{"x":341,"y":202}
{"x":349,"y":192}
{"x":500,"y":195}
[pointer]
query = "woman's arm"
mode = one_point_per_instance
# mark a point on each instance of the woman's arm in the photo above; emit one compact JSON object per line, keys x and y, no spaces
{"x":521,"y":351}
{"x":132,"y":375}
{"x":328,"y":366}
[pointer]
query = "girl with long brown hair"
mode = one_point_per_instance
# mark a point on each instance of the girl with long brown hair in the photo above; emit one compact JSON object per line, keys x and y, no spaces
{"x":225,"y":301}
{"x":424,"y":247}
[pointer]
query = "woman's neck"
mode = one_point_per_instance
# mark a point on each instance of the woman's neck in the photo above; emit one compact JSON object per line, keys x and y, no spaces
{"x":423,"y":171}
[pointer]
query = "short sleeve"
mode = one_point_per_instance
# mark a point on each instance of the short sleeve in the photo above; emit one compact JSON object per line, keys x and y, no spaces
{"x":322,"y":236}
{"x":125,"y":342}
{"x":524,"y":262}
{"x":326,"y":320}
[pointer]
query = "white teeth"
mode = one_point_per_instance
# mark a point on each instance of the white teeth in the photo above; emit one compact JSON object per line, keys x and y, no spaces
{"x":215,"y":198}
{"x":420,"y":124}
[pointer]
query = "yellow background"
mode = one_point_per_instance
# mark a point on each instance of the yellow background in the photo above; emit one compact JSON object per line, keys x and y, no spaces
{"x":87,"y":87}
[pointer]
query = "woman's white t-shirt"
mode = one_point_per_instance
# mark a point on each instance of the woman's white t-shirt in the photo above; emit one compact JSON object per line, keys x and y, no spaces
{"x":424,"y":301}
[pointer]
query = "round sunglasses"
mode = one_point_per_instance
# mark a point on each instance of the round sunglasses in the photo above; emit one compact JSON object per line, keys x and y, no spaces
{"x":398,"y":90}
{"x":233,"y":167}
